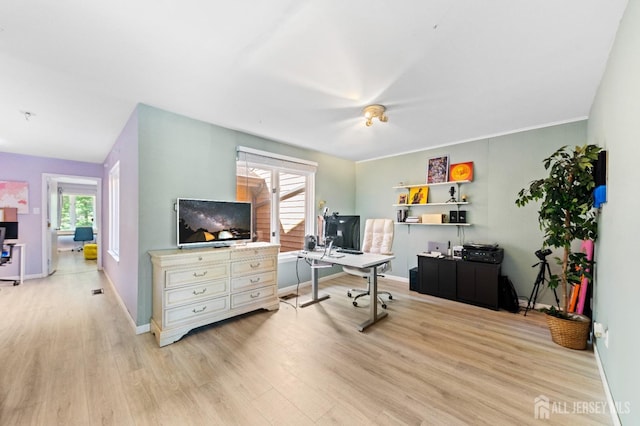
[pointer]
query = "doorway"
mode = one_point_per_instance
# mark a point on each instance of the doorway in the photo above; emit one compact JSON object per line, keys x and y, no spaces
{"x":70,"y":201}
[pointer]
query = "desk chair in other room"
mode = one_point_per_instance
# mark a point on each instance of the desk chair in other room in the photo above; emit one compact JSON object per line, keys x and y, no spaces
{"x":378,"y":239}
{"x":83,"y":234}
{"x":5,"y":256}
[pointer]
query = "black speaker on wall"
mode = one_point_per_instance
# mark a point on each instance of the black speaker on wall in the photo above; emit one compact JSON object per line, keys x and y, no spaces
{"x":462,"y":216}
{"x":600,"y":169}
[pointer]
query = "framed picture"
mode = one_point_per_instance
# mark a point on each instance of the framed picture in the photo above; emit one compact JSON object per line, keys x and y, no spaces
{"x":15,"y":194}
{"x":438,"y":169}
{"x":461,"y":171}
{"x":418,"y":195}
{"x":403,"y":198}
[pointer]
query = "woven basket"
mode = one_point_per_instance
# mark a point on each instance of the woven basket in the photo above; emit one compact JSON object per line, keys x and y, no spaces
{"x":572,"y":334}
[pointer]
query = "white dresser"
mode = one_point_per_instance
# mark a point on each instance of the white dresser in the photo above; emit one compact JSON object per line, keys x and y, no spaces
{"x":196,"y":287}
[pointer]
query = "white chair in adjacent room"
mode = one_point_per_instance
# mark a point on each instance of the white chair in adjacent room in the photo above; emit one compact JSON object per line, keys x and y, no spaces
{"x":378,"y":239}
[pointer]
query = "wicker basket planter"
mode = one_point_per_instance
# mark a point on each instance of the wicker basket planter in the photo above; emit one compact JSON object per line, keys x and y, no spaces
{"x":572,"y":334}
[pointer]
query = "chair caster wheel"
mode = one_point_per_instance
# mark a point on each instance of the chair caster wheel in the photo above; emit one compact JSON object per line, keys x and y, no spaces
{"x":390,"y":297}
{"x":384,"y":306}
{"x":348,"y":294}
{"x":355,"y":303}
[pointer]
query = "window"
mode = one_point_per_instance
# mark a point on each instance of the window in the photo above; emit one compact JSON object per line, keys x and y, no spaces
{"x":76,"y":210}
{"x":114,"y":211}
{"x":281,"y":192}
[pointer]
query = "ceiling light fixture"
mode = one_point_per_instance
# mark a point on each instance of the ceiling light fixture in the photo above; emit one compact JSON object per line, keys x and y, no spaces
{"x":27,"y":114}
{"x":373,"y":111}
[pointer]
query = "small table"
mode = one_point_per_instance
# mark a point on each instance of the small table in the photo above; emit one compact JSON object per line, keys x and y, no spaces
{"x":364,"y":261}
{"x":21,"y":266}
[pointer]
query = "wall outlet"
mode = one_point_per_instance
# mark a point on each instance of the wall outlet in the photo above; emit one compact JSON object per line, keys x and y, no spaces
{"x":606,"y":339}
{"x":598,"y":329}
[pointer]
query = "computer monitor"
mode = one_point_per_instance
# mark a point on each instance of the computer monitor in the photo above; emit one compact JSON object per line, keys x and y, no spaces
{"x":344,"y":231}
{"x":11,"y":230}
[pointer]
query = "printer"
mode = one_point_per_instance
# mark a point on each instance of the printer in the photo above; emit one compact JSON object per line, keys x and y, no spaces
{"x":485,"y":253}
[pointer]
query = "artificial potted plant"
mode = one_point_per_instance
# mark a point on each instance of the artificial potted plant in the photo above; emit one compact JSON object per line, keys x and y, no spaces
{"x":566,"y":215}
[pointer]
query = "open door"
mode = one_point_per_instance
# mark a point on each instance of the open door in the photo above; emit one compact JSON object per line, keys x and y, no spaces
{"x":53,"y":225}
{"x":52,"y":219}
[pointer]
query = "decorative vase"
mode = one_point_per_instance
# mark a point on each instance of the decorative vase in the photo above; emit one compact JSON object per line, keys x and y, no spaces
{"x":570,"y":333}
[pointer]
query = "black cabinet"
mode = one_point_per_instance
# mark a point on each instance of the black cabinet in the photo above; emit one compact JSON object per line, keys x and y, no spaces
{"x":437,"y":277}
{"x":477,"y":283}
{"x":469,"y":282}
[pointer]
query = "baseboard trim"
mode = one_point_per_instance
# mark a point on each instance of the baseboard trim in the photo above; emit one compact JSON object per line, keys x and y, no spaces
{"x":291,"y":289}
{"x":138,"y":329}
{"x":612,"y":405}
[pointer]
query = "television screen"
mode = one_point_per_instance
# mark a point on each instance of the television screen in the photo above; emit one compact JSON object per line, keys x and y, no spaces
{"x":11,"y":230}
{"x":214,"y":223}
{"x":344,"y":230}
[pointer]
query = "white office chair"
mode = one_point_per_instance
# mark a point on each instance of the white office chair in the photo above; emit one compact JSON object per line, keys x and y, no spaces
{"x":378,"y":238}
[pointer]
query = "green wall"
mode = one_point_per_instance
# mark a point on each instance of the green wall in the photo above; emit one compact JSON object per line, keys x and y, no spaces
{"x":614,"y":124}
{"x":183,"y":157}
{"x":502,"y":166}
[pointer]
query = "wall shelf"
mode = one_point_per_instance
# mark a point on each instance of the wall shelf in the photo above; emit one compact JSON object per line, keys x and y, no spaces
{"x":457,"y":203}
{"x":432,"y":224}
{"x":454,"y":182}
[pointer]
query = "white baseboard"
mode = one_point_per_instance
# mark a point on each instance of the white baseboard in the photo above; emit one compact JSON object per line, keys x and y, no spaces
{"x":283,"y":291}
{"x":138,"y":329}
{"x":612,"y":405}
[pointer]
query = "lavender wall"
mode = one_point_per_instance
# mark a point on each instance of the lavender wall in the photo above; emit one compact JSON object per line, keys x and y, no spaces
{"x":26,"y":168}
{"x":123,"y":273}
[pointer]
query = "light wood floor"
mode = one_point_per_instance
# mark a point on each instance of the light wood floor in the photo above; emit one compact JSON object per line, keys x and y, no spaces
{"x":68,"y":357}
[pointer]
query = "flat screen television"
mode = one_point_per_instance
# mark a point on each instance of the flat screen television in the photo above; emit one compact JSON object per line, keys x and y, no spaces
{"x":212,"y":223}
{"x":344,"y":231}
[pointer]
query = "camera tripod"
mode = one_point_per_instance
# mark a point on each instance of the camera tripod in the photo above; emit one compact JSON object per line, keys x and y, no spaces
{"x":540,"y":280}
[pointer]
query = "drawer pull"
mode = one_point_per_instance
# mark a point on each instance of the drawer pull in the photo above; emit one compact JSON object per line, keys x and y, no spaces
{"x":197,"y":311}
{"x":195,"y":274}
{"x":254,"y":280}
{"x":254,"y":295}
{"x":195,"y":293}
{"x":254,"y":265}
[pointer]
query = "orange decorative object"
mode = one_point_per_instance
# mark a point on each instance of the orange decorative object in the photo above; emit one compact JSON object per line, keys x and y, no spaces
{"x":461,"y":171}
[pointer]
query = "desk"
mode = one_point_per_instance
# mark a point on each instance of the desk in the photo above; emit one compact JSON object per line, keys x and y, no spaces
{"x":22,"y":262}
{"x":365,"y":260}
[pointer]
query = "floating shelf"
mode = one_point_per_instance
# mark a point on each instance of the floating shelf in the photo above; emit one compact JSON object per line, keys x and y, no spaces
{"x":454,"y":182}
{"x":433,"y":224}
{"x":457,"y":203}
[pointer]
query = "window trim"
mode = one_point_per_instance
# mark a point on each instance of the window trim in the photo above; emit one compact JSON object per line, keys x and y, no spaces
{"x":278,"y":163}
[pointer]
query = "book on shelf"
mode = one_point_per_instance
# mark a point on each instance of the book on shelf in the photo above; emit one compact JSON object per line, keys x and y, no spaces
{"x":412,"y":219}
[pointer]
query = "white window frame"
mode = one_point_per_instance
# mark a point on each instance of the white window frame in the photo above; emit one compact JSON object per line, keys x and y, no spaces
{"x":114,"y":211}
{"x":281,"y":163}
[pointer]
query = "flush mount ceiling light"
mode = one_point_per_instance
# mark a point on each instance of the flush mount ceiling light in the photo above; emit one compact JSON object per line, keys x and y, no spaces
{"x":373,"y":111}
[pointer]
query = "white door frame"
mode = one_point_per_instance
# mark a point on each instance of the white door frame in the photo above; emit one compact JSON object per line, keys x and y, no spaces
{"x":46,"y":178}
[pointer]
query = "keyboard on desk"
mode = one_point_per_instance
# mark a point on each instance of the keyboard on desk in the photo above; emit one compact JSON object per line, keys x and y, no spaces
{"x":349,"y":251}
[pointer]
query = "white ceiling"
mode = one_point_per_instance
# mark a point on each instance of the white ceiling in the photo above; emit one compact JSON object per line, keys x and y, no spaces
{"x":297,"y":71}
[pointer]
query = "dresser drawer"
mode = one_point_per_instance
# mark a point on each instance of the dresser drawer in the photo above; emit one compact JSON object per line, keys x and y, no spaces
{"x":247,"y":253}
{"x":207,"y":272}
{"x":253,"y":281}
{"x":182,"y":295}
{"x":253,"y":266}
{"x":194,"y":311}
{"x":253,"y":296}
{"x":183,"y":258}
